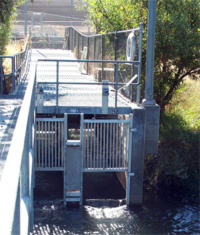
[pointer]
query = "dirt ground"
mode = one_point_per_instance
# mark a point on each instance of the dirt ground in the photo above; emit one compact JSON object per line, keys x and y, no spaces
{"x":56,"y":14}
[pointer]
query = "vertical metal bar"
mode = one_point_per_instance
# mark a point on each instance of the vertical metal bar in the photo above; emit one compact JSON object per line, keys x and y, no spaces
{"x":1,"y":73}
{"x":49,"y":144}
{"x":117,"y":136}
{"x":52,"y":145}
{"x":104,"y":147}
{"x":107,"y":137}
{"x":85,"y":154}
{"x":88,"y":45}
{"x":84,"y":145}
{"x":97,"y":145}
{"x":57,"y":80}
{"x":39,"y":137}
{"x":25,"y":18}
{"x":120,"y":144}
{"x":129,"y":159}
{"x":94,"y":153}
{"x":94,"y":47}
{"x":110,"y":154}
{"x":81,"y":126}
{"x":113,"y":144}
{"x":78,"y":46}
{"x":45,"y":142}
{"x":13,"y":73}
{"x":71,"y":11}
{"x":59,"y":144}
{"x":100,"y":145}
{"x":81,"y":130}
{"x":140,"y":63}
{"x":91,"y":145}
{"x":150,"y":54}
{"x":87,"y":125}
{"x":127,"y":140}
{"x":42,"y":146}
{"x":123,"y":145}
{"x":65,"y":135}
{"x":41,"y":22}
{"x":102,"y":57}
{"x":116,"y":85}
{"x":115,"y":46}
{"x":56,"y":144}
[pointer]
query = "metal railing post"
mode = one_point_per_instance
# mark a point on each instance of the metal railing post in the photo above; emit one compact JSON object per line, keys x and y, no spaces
{"x":57,"y":80}
{"x":1,"y":73}
{"x":116,"y":85}
{"x":115,"y":46}
{"x":94,"y":47}
{"x":140,"y":64}
{"x":77,"y":45}
{"x":13,"y":73}
{"x":102,"y":57}
{"x":88,"y":54}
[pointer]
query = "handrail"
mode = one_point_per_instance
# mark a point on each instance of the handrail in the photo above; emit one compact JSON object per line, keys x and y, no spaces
{"x":16,"y":185}
{"x":116,"y":84}
{"x":18,"y":61}
{"x":99,"y":34}
{"x":105,"y":47}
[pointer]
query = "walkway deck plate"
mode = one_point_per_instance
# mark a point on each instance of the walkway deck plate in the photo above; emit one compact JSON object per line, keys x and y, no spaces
{"x":73,"y":98}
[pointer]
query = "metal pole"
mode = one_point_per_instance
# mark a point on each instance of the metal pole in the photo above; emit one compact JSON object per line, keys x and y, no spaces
{"x":13,"y":73}
{"x":71,"y":10}
{"x":25,"y":18}
{"x":57,"y":80}
{"x":139,"y":67}
{"x":150,"y":54}
{"x":1,"y":74}
{"x":116,"y":85}
{"x":41,"y":24}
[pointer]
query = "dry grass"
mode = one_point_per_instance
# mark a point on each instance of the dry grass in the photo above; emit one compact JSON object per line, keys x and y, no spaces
{"x":186,"y":103}
{"x":11,"y":49}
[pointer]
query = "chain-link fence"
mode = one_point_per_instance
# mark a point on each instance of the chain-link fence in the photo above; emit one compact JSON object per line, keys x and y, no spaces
{"x":110,"y":46}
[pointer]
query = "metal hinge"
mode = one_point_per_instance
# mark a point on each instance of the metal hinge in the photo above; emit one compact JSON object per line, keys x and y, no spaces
{"x":131,"y":174}
{"x":133,"y":129}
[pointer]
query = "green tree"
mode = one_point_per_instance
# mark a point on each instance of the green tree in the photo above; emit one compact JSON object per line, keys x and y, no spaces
{"x":7,"y":14}
{"x":177,"y":37}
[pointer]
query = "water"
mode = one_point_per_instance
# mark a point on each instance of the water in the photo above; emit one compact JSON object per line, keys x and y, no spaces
{"x":157,"y":215}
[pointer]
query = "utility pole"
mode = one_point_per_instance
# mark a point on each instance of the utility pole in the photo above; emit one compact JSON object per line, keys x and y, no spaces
{"x":151,"y":108}
{"x":150,"y":54}
{"x":72,"y":5}
{"x":25,"y":18}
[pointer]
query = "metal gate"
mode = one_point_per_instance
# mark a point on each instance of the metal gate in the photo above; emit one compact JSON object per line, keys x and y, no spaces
{"x":49,"y":144}
{"x":106,"y":145}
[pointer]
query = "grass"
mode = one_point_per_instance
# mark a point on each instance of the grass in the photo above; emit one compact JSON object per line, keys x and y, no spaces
{"x":186,"y":103}
{"x":11,"y":49}
{"x":175,"y":170}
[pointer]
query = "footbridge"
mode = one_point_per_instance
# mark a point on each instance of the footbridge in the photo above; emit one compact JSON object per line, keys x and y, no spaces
{"x":76,"y":110}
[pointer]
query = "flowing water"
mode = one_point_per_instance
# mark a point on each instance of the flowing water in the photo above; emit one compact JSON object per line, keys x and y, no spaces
{"x":105,"y":212}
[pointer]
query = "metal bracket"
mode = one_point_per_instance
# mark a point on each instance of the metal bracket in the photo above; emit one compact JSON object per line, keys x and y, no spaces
{"x":131,"y":174}
{"x":133,"y":129}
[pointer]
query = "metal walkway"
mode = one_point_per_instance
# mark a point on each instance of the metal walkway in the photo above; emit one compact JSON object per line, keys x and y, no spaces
{"x":72,"y":98}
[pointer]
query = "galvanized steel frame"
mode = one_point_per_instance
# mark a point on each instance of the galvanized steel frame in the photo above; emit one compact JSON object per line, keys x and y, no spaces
{"x":49,"y":154}
{"x":17,"y":182}
{"x":19,"y":61}
{"x":116,"y":84}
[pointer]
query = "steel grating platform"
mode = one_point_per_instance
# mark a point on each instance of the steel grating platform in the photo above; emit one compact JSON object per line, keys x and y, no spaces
{"x":73,"y":98}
